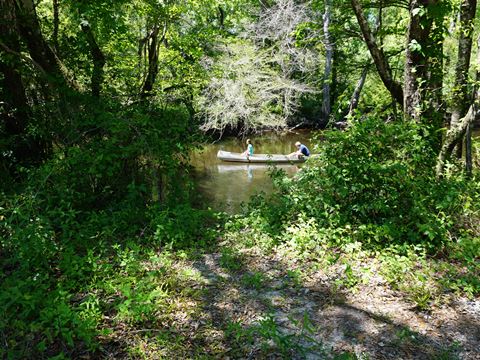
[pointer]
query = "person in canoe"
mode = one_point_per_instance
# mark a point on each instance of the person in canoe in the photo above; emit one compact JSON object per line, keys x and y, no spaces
{"x":302,"y":150}
{"x":249,"y":151}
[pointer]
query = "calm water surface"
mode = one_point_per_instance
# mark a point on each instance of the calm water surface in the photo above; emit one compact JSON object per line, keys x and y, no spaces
{"x":225,"y":185}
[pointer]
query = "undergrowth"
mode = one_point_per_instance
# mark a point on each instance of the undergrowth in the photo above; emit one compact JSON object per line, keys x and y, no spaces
{"x":370,"y":203}
{"x":92,"y":243}
{"x":78,"y":234}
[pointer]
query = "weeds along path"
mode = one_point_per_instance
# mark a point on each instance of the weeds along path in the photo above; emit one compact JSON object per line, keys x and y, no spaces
{"x":239,"y":302}
{"x":267,"y":307}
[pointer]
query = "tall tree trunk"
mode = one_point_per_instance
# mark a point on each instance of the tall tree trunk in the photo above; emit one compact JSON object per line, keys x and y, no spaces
{"x":377,"y":54}
{"x":454,"y":134}
{"x":40,"y":51}
{"x":414,"y":65}
{"x":468,"y":151}
{"x":423,"y":65}
{"x":37,"y":46}
{"x":13,"y":90}
{"x":334,"y":83}
{"x":16,"y":111}
{"x":460,"y":89}
{"x":97,"y":57}
{"x":221,"y":17}
{"x":327,"y":76}
{"x":457,"y":131}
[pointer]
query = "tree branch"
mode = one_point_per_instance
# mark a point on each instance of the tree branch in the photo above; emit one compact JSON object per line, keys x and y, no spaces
{"x":378,"y":56}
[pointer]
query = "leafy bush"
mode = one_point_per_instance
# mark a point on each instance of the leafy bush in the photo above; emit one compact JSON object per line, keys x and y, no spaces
{"x":182,"y":226}
{"x":376,"y":181}
{"x":122,"y":182}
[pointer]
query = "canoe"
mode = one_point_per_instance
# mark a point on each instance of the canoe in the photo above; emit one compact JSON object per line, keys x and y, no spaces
{"x":225,"y":168}
{"x":259,"y":158}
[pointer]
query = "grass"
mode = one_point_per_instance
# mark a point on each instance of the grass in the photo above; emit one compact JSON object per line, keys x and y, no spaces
{"x":230,"y":259}
{"x":255,"y":280}
{"x":420,"y":278}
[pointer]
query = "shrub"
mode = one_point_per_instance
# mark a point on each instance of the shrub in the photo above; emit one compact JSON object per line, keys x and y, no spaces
{"x":376,"y":181}
{"x":59,"y":229}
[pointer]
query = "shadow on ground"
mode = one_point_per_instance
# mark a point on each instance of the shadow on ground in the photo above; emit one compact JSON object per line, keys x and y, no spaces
{"x":245,"y":305}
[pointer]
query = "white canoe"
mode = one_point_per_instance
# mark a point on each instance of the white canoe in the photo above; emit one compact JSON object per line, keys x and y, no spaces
{"x":225,"y":168}
{"x":259,"y":158}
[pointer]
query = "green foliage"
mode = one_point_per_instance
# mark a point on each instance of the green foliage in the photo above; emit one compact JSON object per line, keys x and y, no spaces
{"x":275,"y":338}
{"x":295,"y":277}
{"x":369,"y":203}
{"x":374,"y":181}
{"x":182,"y":227}
{"x":349,"y":278}
{"x":255,"y":280}
{"x":103,"y":191}
{"x":230,"y":260}
{"x":78,"y":220}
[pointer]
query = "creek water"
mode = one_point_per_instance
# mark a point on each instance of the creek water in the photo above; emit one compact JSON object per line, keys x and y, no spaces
{"x":226,"y":185}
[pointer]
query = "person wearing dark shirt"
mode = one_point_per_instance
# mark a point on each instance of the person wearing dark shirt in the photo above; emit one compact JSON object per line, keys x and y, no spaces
{"x":302,"y":150}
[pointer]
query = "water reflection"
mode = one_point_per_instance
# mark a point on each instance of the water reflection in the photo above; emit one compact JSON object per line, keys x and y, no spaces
{"x":226,"y":185}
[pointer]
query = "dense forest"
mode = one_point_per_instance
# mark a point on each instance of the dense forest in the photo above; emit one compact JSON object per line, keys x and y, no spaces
{"x":370,"y":251}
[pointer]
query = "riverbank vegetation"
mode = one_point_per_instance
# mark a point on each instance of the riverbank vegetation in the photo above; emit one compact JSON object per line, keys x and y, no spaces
{"x":107,"y":250}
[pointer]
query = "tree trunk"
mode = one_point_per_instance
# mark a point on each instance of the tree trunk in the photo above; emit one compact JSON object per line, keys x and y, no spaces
{"x":468,"y":151}
{"x":40,"y":51}
{"x":423,"y":68}
{"x":457,"y":131}
{"x":326,"y":105}
{"x":454,"y":134}
{"x":334,"y":84}
{"x":423,"y":64}
{"x":460,"y":90}
{"x":414,"y":65}
{"x":16,"y":113}
{"x":13,"y":90}
{"x":38,"y":48}
{"x":97,"y":57}
{"x":377,"y":54}
{"x":221,"y":17}
{"x":356,"y":92}
{"x":153,"y":47}
{"x":152,"y":63}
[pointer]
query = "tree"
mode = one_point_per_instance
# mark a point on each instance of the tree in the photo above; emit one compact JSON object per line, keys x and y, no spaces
{"x":356,"y":92}
{"x":40,"y":51}
{"x":329,"y":50}
{"x":98,"y":59}
{"x":423,"y":63}
{"x":259,"y":79}
{"x":379,"y":58}
{"x":460,"y":96}
{"x":247,"y":94}
{"x":457,"y":130}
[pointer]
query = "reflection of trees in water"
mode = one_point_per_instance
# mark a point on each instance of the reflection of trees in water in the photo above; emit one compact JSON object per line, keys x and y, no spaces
{"x":231,"y":185}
